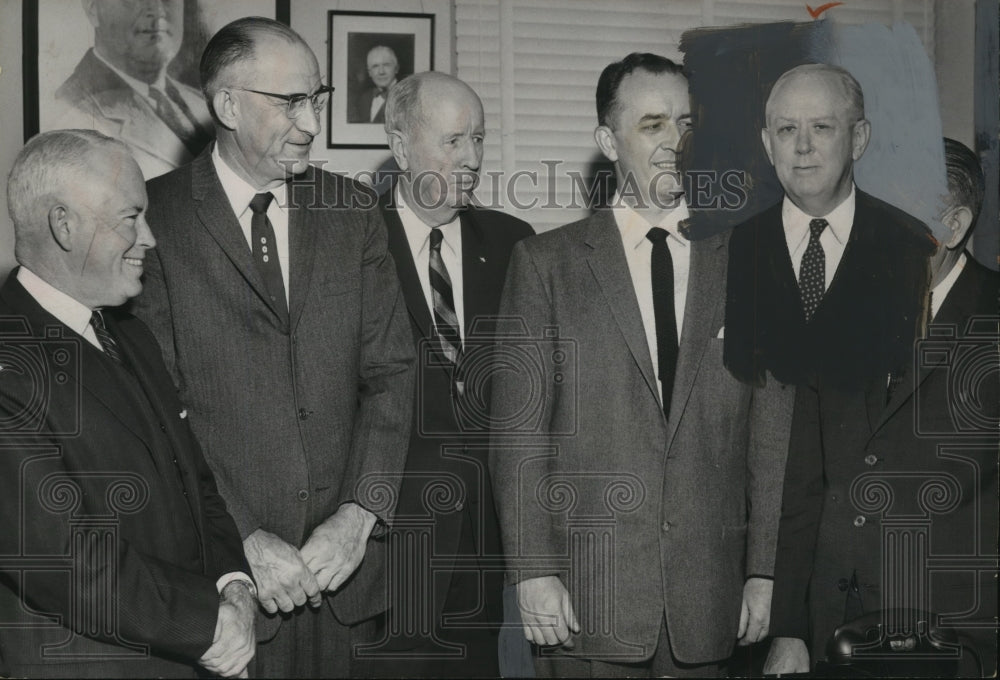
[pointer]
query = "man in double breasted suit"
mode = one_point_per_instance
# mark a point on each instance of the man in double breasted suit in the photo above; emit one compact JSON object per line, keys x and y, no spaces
{"x":121,"y":87}
{"x":118,"y":557}
{"x":637,"y":497}
{"x":277,"y":304}
{"x":826,"y":291}
{"x":431,"y":198}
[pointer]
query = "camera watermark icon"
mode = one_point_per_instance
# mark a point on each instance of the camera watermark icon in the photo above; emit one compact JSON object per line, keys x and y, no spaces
{"x":971,"y":358}
{"x":533,"y":369}
{"x":33,"y":369}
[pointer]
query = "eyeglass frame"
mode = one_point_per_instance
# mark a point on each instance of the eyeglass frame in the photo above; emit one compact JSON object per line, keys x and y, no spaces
{"x":289,"y":99}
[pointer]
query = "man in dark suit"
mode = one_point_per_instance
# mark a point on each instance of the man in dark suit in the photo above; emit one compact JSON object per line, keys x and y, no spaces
{"x":826,"y":291}
{"x":383,"y":66}
{"x":638,"y":503}
{"x":121,"y":86}
{"x":116,"y":544}
{"x":937,"y":429}
{"x":451,"y":259}
{"x":279,"y":311}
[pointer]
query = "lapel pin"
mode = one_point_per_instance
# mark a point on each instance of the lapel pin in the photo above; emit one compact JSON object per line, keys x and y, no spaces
{"x":483,"y":260}
{"x":184,"y":414}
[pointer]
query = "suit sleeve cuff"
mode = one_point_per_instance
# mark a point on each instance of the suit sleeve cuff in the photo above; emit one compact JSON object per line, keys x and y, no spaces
{"x":235,"y":577}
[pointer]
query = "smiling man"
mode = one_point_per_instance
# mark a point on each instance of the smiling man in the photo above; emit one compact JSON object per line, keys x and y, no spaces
{"x":827,"y":291}
{"x":280,"y":315}
{"x":661,"y":448}
{"x":121,"y":86}
{"x":168,"y":591}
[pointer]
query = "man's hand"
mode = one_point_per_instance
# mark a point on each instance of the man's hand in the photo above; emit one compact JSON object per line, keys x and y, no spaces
{"x":233,"y":645}
{"x":337,"y":546}
{"x":283,"y":580}
{"x":546,"y":611}
{"x":755,"y":614}
{"x":787,"y":655}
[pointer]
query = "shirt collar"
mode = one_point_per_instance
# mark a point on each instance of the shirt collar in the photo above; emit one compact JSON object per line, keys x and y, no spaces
{"x":137,"y":85}
{"x":68,"y":310}
{"x":239,"y":191}
{"x":634,"y":227}
{"x":418,"y":234}
{"x":839,"y":220}
{"x":940,"y":291}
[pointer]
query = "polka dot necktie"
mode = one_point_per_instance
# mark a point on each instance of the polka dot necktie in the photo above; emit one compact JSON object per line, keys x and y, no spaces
{"x":662,"y":274}
{"x":265,"y":253}
{"x":812,"y":275}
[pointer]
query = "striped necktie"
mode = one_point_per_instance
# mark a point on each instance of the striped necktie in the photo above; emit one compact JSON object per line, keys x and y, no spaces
{"x":445,"y":318}
{"x":108,"y":342}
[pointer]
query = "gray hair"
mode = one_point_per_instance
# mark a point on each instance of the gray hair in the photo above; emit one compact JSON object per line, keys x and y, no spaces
{"x":387,"y":49}
{"x":46,"y":163}
{"x":403,"y":110}
{"x":855,"y":96}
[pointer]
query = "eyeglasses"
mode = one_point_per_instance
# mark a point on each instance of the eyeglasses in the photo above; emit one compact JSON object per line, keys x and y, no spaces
{"x":296,"y":102}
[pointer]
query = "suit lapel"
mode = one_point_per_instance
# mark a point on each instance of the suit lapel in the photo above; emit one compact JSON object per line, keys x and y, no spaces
{"x":399,"y":247}
{"x":704,"y":297}
{"x":610,"y":268}
{"x":216,"y":215}
{"x":303,"y":226}
{"x":474,"y":287}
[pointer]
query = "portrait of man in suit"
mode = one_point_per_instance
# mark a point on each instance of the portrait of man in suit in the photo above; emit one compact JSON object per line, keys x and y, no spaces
{"x":107,"y":476}
{"x":121,"y":88}
{"x":451,"y":258}
{"x":277,"y":304}
{"x":825,"y":253}
{"x":383,"y":67}
{"x":647,"y":433}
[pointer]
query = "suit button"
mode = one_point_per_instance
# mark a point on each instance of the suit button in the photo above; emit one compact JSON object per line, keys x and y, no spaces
{"x":859,"y":521}
{"x":185,"y":493}
{"x":871,"y":459}
{"x":459,"y":506}
{"x":303,"y":414}
{"x":163,"y":428}
{"x":666,"y":526}
{"x":303,"y":495}
{"x":842,"y":585}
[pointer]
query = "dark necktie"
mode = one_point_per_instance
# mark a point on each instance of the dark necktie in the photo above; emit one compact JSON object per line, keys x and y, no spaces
{"x":108,"y":342}
{"x":174,"y":112}
{"x":662,"y":274}
{"x":265,"y":252}
{"x":445,"y":319}
{"x":812,"y":274}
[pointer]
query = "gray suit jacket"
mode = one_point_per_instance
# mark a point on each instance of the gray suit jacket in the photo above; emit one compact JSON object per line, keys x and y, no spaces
{"x":295,"y":418}
{"x":640,"y":515}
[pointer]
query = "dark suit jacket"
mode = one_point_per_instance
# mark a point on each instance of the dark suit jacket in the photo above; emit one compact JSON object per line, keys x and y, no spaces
{"x":82,"y":452}
{"x":920,"y":460}
{"x":296,"y":417}
{"x":438,"y":448}
{"x":95,"y":97}
{"x":361,"y":112}
{"x":669,"y":516}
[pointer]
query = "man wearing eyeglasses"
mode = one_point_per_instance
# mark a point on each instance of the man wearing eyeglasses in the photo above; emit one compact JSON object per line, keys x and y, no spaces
{"x":281,"y":319}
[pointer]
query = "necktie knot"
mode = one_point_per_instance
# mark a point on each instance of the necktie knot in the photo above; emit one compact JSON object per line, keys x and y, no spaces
{"x":104,"y":337}
{"x":817,"y":226}
{"x":436,"y":238}
{"x":657,"y":235}
{"x":260,"y":203}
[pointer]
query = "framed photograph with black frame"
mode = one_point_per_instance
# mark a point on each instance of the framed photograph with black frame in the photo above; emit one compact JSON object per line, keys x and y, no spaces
{"x":367,"y":53}
{"x":95,"y":65}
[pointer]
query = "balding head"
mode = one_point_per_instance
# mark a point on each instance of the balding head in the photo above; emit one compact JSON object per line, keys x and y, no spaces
{"x":843,"y":83}
{"x":409,"y":99}
{"x":78,"y":202}
{"x":383,"y":66}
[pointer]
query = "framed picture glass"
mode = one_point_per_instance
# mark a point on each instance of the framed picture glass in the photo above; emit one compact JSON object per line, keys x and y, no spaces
{"x":368,"y":52}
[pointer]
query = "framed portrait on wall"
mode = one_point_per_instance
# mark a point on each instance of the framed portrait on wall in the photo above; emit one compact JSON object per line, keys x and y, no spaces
{"x":367,"y":53}
{"x":128,"y":71}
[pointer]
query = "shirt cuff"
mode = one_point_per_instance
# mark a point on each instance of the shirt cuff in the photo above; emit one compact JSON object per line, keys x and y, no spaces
{"x":235,"y":576}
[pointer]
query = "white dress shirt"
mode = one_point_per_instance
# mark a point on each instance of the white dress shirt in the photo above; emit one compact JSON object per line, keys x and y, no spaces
{"x":833,"y":239}
{"x":141,"y":88}
{"x":418,"y":236}
{"x":639,"y":255}
{"x":240,"y":193}
{"x":76,"y":316}
{"x":940,"y":291}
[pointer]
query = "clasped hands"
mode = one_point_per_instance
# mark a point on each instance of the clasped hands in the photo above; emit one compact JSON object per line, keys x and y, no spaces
{"x":288,"y":577}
